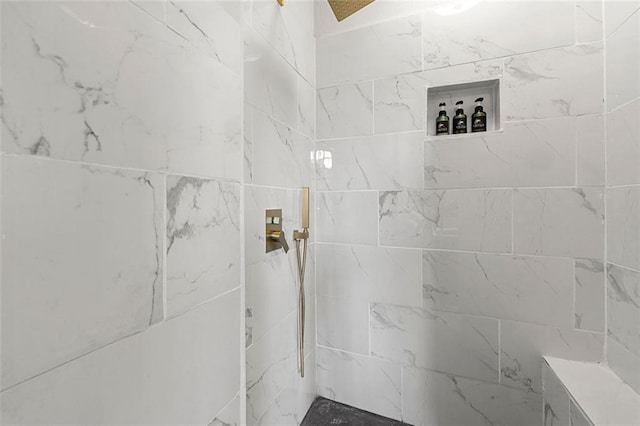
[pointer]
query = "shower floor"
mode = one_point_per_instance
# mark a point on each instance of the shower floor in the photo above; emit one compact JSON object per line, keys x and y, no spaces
{"x":326,"y":412}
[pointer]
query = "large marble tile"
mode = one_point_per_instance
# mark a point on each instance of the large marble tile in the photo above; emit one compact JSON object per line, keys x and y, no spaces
{"x":625,"y":364}
{"x":350,"y":378}
{"x":347,"y":217}
{"x":528,"y":153}
{"x":589,"y":295}
{"x":476,"y":220}
{"x":623,"y":307}
{"x":623,"y":63}
{"x":559,"y":222}
{"x":617,"y":12}
{"x":525,"y":288}
{"x":623,"y":145}
{"x":523,"y":345}
{"x":590,"y":148}
{"x":483,"y":33}
{"x":183,"y":371}
{"x":280,"y":156}
{"x":343,"y":324}
{"x":453,"y":343}
{"x":203,"y":240}
{"x":102,"y":82}
{"x":556,"y":399}
{"x":383,"y":162}
{"x":432,"y":398}
{"x":552,"y":83}
{"x":576,"y":416}
{"x":373,"y":274}
{"x":589,"y":20}
{"x":623,"y":226}
{"x":82,"y":260}
{"x":343,"y":111}
{"x":378,"y":50}
{"x":229,"y":416}
{"x":306,"y":108}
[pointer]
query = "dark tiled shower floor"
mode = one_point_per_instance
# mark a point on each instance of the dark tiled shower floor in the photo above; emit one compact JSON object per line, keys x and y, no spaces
{"x":326,"y":412}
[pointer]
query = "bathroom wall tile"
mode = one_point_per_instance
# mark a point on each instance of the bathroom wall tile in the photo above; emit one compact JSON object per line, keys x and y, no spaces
{"x":624,"y":364}
{"x":247,"y":133}
{"x":623,"y":62}
{"x":523,"y":345}
{"x":590,"y":142}
{"x":343,"y":324}
{"x":589,"y":21}
{"x":374,"y":162}
{"x":553,"y":83}
{"x":623,"y":307}
{"x":271,"y":365}
{"x":373,"y":274}
{"x":623,"y":226}
{"x":577,"y":418}
{"x":74,"y":235}
{"x":210,"y":28}
{"x":432,"y":398}
{"x":157,"y":9}
{"x":617,"y":12}
{"x":287,"y":34}
{"x":347,"y":217}
{"x":379,"y":50}
{"x":556,"y":399}
{"x":85,"y":102}
{"x":349,"y":378}
{"x":452,"y":343}
{"x":306,"y":108}
{"x":203,"y":241}
{"x":623,"y":145}
{"x":343,"y":111}
{"x":528,"y":153}
{"x":281,"y":156}
{"x":270,"y":84}
{"x":458,"y":38}
{"x":589,"y":292}
{"x":229,"y":416}
{"x":559,"y":222}
{"x":175,"y":373}
{"x":524,"y":288}
{"x":477,"y":220}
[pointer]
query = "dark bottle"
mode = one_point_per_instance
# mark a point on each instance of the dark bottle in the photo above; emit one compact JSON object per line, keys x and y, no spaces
{"x":442,"y":121}
{"x":459,"y":120}
{"x":479,"y":118}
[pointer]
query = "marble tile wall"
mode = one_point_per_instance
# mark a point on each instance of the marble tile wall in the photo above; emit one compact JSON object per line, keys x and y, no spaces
{"x":456,"y":263}
{"x":121,"y":167}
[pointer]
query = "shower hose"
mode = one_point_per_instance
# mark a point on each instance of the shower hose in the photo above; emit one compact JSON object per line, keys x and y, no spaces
{"x":302,"y":262}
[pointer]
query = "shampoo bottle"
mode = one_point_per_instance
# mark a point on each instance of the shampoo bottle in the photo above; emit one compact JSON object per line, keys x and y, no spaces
{"x":479,"y":118}
{"x":442,"y":121}
{"x":459,"y":120}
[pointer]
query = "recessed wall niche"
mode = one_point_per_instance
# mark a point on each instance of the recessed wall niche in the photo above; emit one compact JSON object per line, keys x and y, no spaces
{"x":468,"y":93}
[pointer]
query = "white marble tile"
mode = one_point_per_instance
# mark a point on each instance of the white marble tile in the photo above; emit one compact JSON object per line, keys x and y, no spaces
{"x":74,"y":91}
{"x":477,"y":220}
{"x":589,"y":20}
{"x":378,"y":50}
{"x":287,"y":34}
{"x":625,"y":364}
{"x":523,"y":345}
{"x":452,"y":343}
{"x":590,"y":141}
{"x":270,"y":84}
{"x":306,"y":108}
{"x":576,"y":417}
{"x":623,"y":307}
{"x":343,"y":324}
{"x":347,"y":217}
{"x":247,"y":140}
{"x":373,"y":274}
{"x":281,"y":156}
{"x":552,"y":83}
{"x":210,"y":28}
{"x":622,"y":63}
{"x":556,"y":399}
{"x":203,"y":241}
{"x":432,"y":398}
{"x":528,"y":153}
{"x":623,"y":145}
{"x":623,"y":226}
{"x":157,"y":9}
{"x":559,"y":222}
{"x":343,"y":111}
{"x":174,"y":373}
{"x":482,"y":32}
{"x":525,"y":288}
{"x":81,"y":260}
{"x":374,"y":162}
{"x":229,"y":416}
{"x":589,"y":295}
{"x":617,"y":12}
{"x":350,"y":378}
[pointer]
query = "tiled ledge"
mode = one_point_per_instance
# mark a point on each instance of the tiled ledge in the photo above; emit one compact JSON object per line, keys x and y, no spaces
{"x":580,"y":393}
